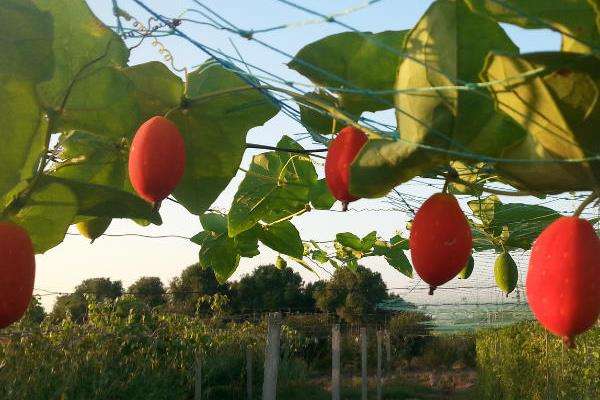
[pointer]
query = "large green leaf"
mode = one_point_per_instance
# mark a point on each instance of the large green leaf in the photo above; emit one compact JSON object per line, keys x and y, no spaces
{"x":394,"y":255}
{"x":282,"y":237}
{"x":560,"y":112}
{"x":101,"y":101}
{"x":576,"y":19}
{"x":82,"y":44}
{"x":316,"y":119}
{"x":320,"y":195}
{"x":47,"y":214}
{"x":223,"y":108}
{"x":157,"y":89}
{"x":22,"y":129}
{"x":105,"y":201}
{"x":219,"y":252}
{"x":92,"y":158}
{"x":446,"y":48}
{"x":276,"y":184}
{"x":361,"y":64}
{"x":26,"y":34}
{"x":521,"y":223}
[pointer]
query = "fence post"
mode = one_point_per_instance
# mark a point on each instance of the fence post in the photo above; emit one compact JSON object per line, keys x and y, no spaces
{"x":272,"y":357}
{"x":249,"y":376}
{"x":363,"y":363}
{"x":379,"y":361}
{"x":335,"y":362}
{"x":198,"y":386}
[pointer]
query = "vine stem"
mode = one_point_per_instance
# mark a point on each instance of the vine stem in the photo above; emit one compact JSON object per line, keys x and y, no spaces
{"x":593,"y":196}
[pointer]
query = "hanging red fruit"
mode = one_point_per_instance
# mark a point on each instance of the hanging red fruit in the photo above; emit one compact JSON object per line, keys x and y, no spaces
{"x":440,"y":240}
{"x":17,"y":272}
{"x":342,"y":152}
{"x":563,"y":280}
{"x":156,"y":159}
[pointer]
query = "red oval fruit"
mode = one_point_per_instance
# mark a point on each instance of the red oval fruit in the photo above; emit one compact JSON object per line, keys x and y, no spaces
{"x":156,"y":159}
{"x":342,"y":151}
{"x":563,"y":280}
{"x":440,"y":240}
{"x":17,"y":272}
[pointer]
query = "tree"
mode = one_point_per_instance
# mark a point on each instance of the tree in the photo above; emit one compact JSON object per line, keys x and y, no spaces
{"x":352,"y":295}
{"x":35,"y":313}
{"x":75,"y":304}
{"x":150,"y":290}
{"x":269,"y":288}
{"x":194,"y":283}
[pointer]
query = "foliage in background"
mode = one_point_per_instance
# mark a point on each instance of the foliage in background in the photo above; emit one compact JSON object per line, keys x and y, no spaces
{"x":524,"y":361}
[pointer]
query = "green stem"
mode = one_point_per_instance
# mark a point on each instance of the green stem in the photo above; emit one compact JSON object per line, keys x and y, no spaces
{"x":288,"y":217}
{"x":588,"y":200}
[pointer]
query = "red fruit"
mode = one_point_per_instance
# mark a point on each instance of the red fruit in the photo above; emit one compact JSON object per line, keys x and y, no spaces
{"x":563,"y":280}
{"x":342,"y":151}
{"x":17,"y":272}
{"x":156,"y":159}
{"x":440,"y":240}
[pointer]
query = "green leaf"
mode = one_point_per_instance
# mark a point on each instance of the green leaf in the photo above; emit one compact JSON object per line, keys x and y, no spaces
{"x":214,"y":222}
{"x":280,"y":263}
{"x":473,"y":175}
{"x":397,"y":259}
{"x":47,"y":214}
{"x":319,"y":256}
{"x":368,"y":241}
{"x":82,"y":44}
{"x":277,"y":184}
{"x":111,"y":111}
{"x":157,"y":89}
{"x":524,"y":222}
{"x":93,"y":159}
{"x":354,"y":60}
{"x":447,"y":47}
{"x":320,"y":195}
{"x":576,"y":18}
{"x":23,"y":131}
{"x":560,"y":112}
{"x":105,"y":201}
{"x":247,"y":242}
{"x":348,"y":239}
{"x":219,"y":252}
{"x":283,"y":237}
{"x":400,"y":241}
{"x":316,"y":119}
{"x":223,"y":108}
{"x":27,"y":35}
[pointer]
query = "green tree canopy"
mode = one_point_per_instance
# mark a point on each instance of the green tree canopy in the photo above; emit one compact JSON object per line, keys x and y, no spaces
{"x":269,"y":288}
{"x":75,"y":304}
{"x":193,"y":283}
{"x":352,"y":295}
{"x":149,"y":290}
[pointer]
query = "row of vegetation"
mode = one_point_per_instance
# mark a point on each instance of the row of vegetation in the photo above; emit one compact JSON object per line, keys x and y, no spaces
{"x":523,"y":362}
{"x":351,"y":296}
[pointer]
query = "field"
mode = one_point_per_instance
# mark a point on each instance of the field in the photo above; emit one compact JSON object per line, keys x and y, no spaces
{"x":128,"y":352}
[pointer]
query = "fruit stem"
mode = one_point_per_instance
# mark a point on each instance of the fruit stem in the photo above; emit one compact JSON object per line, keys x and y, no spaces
{"x":588,"y":200}
{"x":569,"y":342}
{"x":345,"y":205}
{"x":431,"y":290}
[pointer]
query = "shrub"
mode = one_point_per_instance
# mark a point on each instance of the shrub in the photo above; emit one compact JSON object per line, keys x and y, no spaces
{"x":523,"y":361}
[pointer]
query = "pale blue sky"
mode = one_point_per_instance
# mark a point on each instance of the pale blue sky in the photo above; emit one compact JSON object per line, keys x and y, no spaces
{"x":128,"y":258}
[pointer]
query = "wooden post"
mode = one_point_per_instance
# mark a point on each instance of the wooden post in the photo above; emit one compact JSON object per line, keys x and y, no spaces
{"x":363,"y":363}
{"x":379,"y":361}
{"x":198,"y":386}
{"x":249,"y":373}
{"x":335,"y":362}
{"x":272,"y":357}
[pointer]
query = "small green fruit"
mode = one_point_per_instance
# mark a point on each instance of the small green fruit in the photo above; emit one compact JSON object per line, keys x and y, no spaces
{"x":93,"y":228}
{"x":506,"y":273}
{"x":466,"y":272}
{"x":280,"y":263}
